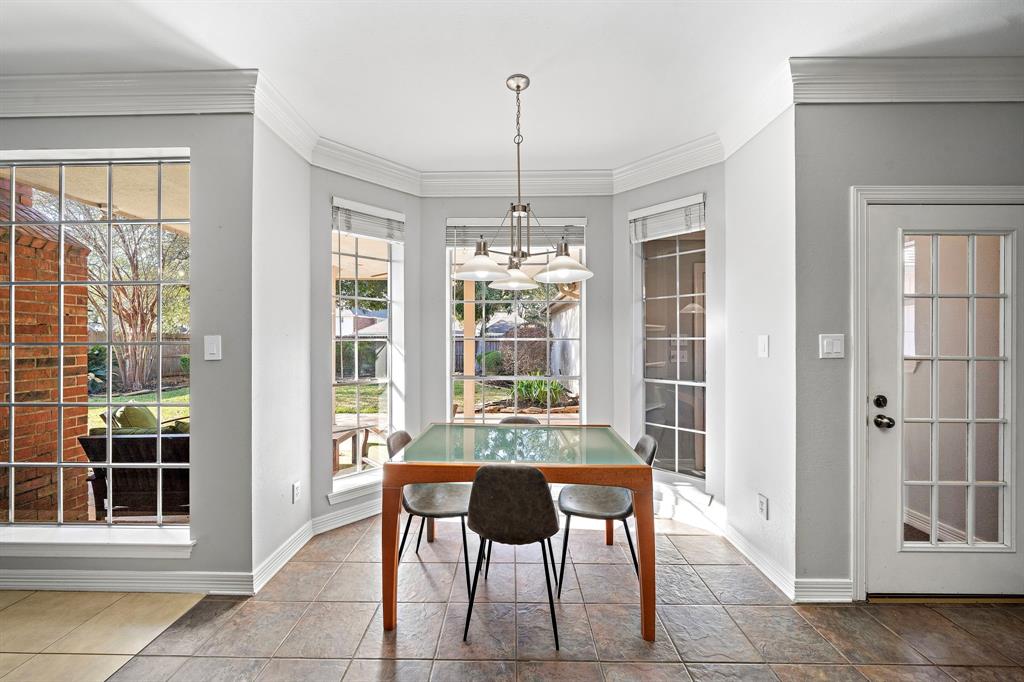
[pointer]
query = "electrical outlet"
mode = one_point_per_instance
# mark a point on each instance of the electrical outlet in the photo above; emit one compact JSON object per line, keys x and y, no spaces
{"x":762,"y":506}
{"x":296,"y":491}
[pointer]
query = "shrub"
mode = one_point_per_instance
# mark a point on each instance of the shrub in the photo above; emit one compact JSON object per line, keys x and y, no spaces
{"x":97,"y":363}
{"x":534,"y":392}
{"x":186,"y":363}
{"x":491,"y":362}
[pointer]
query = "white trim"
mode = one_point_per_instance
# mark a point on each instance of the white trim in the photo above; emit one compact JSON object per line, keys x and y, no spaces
{"x":782,"y":578}
{"x":100,"y":542}
{"x":353,"y":487}
{"x":684,"y":158}
{"x":122,"y":94}
{"x":823,"y":590}
{"x":503,"y":183}
{"x":281,"y":117}
{"x":206,"y":582}
{"x":862,"y":196}
{"x":340,"y":158}
{"x":370,"y":506}
{"x":93,"y":154}
{"x":553,"y":221}
{"x":280,"y":556}
{"x":821,"y":80}
{"x":666,"y":206}
{"x":375,"y":211}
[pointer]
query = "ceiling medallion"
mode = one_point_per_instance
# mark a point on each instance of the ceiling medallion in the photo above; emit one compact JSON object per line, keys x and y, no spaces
{"x":562,"y":269}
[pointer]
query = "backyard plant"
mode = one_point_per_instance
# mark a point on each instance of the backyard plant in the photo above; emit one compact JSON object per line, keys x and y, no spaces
{"x":534,"y":392}
{"x":492,"y":362}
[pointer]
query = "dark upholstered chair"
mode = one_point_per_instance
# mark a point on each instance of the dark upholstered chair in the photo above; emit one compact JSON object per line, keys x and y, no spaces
{"x":511,"y":505}
{"x":135,"y":489}
{"x":602,"y":502}
{"x":431,"y":501}
{"x":520,"y":419}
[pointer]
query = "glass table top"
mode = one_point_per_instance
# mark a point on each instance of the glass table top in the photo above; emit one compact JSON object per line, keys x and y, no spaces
{"x":582,"y":445}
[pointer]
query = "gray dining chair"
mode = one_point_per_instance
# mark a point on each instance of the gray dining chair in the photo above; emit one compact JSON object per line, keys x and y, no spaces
{"x":431,"y":501}
{"x":520,"y":419}
{"x":511,"y":505}
{"x":608,"y":503}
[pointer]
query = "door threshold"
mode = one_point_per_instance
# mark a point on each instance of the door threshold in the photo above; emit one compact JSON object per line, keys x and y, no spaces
{"x":945,"y":599}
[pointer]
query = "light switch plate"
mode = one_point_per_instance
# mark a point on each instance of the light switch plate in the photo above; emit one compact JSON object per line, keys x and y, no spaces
{"x":831,"y":346}
{"x":211,"y":347}
{"x":762,"y":345}
{"x":762,"y":506}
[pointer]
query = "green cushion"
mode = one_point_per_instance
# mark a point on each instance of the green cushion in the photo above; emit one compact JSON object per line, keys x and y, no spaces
{"x":133,"y":416}
{"x":133,"y":431}
{"x":177,"y":426}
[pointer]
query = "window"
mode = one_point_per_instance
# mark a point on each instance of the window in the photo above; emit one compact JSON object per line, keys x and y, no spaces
{"x":95,"y":334}
{"x":515,"y":352}
{"x":362,"y":351}
{"x":674,"y":335}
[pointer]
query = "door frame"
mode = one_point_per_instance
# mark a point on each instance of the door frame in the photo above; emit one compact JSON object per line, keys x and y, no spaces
{"x":862,"y":196}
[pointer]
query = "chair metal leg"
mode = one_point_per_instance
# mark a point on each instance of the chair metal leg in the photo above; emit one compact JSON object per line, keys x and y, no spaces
{"x":636,"y":566}
{"x":551,"y":599}
{"x":565,"y":546}
{"x":419,"y":536}
{"x":551,"y":553}
{"x":490,"y":548}
{"x":472,"y":590}
{"x":465,"y":550}
{"x":408,"y":522}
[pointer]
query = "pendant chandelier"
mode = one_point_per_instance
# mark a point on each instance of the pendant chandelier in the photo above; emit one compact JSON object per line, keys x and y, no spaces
{"x":562,"y":269}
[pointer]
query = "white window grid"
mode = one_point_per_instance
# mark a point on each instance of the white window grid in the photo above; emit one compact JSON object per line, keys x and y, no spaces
{"x":11,"y":344}
{"x":676,"y":340}
{"x":479,"y":342}
{"x":940,"y":538}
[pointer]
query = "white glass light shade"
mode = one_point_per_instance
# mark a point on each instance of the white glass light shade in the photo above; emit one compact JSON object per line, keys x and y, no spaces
{"x":563,"y":269}
{"x":692,"y":309}
{"x":517,"y":281}
{"x":481,"y":267}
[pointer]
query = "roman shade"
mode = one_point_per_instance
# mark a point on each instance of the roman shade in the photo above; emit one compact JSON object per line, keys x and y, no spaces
{"x":466,"y":231}
{"x":667,"y":220}
{"x":364,"y":220}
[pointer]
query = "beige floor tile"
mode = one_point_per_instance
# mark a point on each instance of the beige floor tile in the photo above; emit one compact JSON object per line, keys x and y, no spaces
{"x":8,"y":597}
{"x":35,"y":622}
{"x":9,"y":662}
{"x":127,"y":626}
{"x":67,"y":668}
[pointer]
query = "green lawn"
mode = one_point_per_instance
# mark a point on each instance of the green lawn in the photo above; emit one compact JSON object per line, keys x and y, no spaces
{"x":175,"y":404}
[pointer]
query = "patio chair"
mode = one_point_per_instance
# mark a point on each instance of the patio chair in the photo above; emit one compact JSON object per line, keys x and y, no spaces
{"x":520,"y":419}
{"x":602,"y":502}
{"x":511,"y":505}
{"x":431,"y":501}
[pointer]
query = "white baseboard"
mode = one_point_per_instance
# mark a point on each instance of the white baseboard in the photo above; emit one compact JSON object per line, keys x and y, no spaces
{"x":280,"y":556}
{"x":782,"y":578}
{"x":204,"y":582}
{"x":823,"y":590}
{"x":365,"y":507}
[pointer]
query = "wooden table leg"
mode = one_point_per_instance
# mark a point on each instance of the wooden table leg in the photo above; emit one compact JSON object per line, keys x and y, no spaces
{"x":430,"y":530}
{"x":390,"y":510}
{"x":643,"y":504}
{"x":609,"y":532}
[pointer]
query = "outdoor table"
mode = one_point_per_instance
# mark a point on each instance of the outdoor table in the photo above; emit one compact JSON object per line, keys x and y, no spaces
{"x":588,"y":454}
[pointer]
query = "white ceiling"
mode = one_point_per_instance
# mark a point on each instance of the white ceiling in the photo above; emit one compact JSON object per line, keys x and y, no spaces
{"x":422,"y":83}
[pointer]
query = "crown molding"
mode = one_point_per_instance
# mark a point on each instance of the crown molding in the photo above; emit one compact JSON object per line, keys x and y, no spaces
{"x":503,"y":183}
{"x":340,"y":158}
{"x":280,"y":116}
{"x":824,"y":80}
{"x":704,"y":151}
{"x":117,"y":94}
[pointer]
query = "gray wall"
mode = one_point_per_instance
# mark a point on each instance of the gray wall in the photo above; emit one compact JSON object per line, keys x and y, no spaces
{"x":221,"y":271}
{"x":760,"y":392}
{"x":280,"y":341}
{"x":838,"y":146}
{"x":627,"y":311}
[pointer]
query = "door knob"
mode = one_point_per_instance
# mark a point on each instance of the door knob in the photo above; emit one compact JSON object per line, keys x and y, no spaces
{"x":883,"y":422}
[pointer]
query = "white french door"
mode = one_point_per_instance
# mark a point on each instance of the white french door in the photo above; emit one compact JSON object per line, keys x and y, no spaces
{"x":945,"y":288}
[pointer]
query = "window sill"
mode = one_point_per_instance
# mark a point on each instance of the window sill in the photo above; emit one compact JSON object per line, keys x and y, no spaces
{"x":353,"y":487}
{"x":96,"y":543}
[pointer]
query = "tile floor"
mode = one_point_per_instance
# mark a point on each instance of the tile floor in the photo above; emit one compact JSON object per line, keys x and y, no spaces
{"x":319,"y":619}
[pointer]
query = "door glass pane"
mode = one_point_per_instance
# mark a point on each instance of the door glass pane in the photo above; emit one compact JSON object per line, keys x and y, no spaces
{"x":952,"y":264}
{"x":952,"y":389}
{"x":917,"y":264}
{"x":917,"y":513}
{"x":988,"y":389}
{"x":917,"y":388}
{"x":952,"y":452}
{"x":988,"y":264}
{"x":988,"y":516}
{"x":988,"y":452}
{"x":917,"y":452}
{"x":952,"y":516}
{"x":917,"y":326}
{"x":988,"y":327}
{"x":952,"y":326}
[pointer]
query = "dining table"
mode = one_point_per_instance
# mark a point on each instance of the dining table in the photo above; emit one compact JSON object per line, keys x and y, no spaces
{"x":590,"y":454}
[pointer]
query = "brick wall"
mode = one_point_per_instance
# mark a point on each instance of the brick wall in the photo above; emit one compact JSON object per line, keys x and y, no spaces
{"x":36,"y":368}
